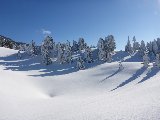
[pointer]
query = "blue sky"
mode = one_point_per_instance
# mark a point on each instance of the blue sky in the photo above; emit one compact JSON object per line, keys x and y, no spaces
{"x":24,"y":20}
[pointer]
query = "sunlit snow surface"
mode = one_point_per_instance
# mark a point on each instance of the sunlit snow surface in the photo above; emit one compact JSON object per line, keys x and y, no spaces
{"x":30,"y":90}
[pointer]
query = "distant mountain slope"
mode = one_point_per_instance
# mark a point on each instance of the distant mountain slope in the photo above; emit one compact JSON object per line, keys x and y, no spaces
{"x":8,"y":42}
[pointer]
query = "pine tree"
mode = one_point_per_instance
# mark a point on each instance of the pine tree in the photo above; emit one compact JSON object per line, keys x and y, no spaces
{"x":80,"y":64}
{"x":45,"y":51}
{"x":136,"y":45}
{"x":128,"y":47}
{"x":75,"y":46}
{"x":14,"y":46}
{"x":109,"y":57}
{"x":19,"y":56}
{"x":158,"y":44}
{"x":60,"y":57}
{"x":67,"y":53}
{"x":33,"y":48}
{"x":110,"y":44}
{"x":149,"y":47}
{"x":142,"y":48}
{"x":109,"y":47}
{"x":101,"y":50}
{"x":157,"y":61}
{"x":1,"y":42}
{"x":88,"y":55}
{"x":155,"y":47}
{"x":81,"y":44}
{"x":145,"y":60}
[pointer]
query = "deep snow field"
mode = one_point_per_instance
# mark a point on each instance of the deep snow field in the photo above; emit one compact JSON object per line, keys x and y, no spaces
{"x":32,"y":91}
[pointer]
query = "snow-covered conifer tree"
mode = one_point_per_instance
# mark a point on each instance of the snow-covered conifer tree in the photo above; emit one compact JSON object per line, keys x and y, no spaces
{"x":19,"y":56}
{"x":45,"y":51}
{"x":157,"y":61}
{"x":142,"y":48}
{"x":81,"y":44}
{"x":32,"y":48}
{"x":155,"y":47}
{"x":128,"y":47}
{"x":110,"y":44}
{"x":27,"y":48}
{"x":146,"y":59}
{"x":67,"y":53}
{"x":149,"y":47}
{"x":21,"y":47}
{"x":109,"y":57}
{"x":88,"y":55}
{"x":75,"y":46}
{"x":135,"y":44}
{"x":158,"y":44}
{"x":101,"y":51}
{"x":14,"y":46}
{"x":60,"y":57}
{"x":45,"y":55}
{"x":1,"y":43}
{"x":80,"y":64}
{"x":109,"y":47}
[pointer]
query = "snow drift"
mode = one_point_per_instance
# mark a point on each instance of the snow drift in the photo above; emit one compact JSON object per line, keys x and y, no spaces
{"x":32,"y":91}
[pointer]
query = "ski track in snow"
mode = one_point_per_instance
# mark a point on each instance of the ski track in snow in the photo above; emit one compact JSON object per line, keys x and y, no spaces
{"x":90,"y":94}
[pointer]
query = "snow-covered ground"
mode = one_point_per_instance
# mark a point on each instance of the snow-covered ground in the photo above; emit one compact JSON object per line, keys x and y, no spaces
{"x":32,"y":91}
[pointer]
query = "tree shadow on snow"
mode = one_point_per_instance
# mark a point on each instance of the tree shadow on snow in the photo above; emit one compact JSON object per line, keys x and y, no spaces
{"x":28,"y":63}
{"x":134,"y":77}
{"x":151,"y":73}
{"x":134,"y":58}
{"x":116,"y":72}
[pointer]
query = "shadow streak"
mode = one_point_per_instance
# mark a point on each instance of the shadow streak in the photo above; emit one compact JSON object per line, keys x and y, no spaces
{"x":135,"y":76}
{"x":111,"y":75}
{"x":154,"y":71}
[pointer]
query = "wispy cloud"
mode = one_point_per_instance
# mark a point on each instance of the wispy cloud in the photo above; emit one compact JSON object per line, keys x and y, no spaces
{"x":46,"y":32}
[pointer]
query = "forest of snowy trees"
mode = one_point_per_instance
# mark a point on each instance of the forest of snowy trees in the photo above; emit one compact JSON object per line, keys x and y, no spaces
{"x":62,"y":53}
{"x":146,"y":50}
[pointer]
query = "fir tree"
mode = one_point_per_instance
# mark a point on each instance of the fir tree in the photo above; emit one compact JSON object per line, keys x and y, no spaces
{"x":110,"y":44}
{"x":81,"y":44}
{"x":101,"y":50}
{"x":149,"y":47}
{"x":67,"y":53}
{"x":135,"y":44}
{"x":155,"y":47}
{"x":19,"y":56}
{"x":60,"y":57}
{"x":80,"y":64}
{"x":88,"y":55}
{"x":128,"y":47}
{"x":157,"y":61}
{"x":145,"y":60}
{"x":45,"y":51}
{"x":142,"y":48}
{"x":75,"y":46}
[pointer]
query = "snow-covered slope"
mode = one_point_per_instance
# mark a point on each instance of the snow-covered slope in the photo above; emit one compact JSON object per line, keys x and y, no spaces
{"x":32,"y":91}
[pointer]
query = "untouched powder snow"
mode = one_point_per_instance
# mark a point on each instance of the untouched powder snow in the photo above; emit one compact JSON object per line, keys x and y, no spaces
{"x":32,"y":91}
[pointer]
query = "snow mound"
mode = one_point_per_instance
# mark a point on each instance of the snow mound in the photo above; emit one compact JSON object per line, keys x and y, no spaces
{"x":32,"y":91}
